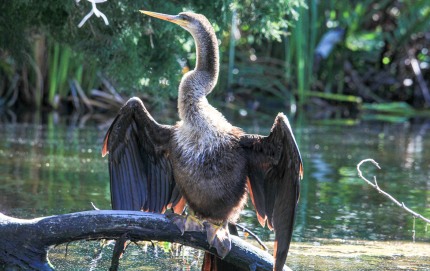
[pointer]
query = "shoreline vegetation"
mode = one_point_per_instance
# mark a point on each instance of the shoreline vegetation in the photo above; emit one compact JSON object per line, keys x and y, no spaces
{"x":371,"y":56}
{"x":341,"y":60}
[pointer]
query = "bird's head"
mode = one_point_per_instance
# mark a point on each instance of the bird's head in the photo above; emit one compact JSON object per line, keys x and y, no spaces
{"x":205,"y":75}
{"x":190,"y":21}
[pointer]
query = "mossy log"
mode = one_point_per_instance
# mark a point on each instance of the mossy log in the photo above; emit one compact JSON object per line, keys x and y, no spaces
{"x":24,"y":243}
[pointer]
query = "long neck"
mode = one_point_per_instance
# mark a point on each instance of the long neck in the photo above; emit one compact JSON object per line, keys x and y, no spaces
{"x":207,"y":54}
{"x":198,"y":83}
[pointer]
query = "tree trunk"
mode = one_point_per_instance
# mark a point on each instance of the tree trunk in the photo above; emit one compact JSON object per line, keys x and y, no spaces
{"x":25,"y":243}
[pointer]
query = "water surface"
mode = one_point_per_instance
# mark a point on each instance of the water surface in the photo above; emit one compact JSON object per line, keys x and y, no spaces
{"x":54,"y":166}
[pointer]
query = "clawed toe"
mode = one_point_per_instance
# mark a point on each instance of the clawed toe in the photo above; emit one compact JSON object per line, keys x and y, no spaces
{"x":217,"y":235}
{"x":192,"y":223}
{"x":188,"y":223}
{"x":219,"y":238}
{"x":179,"y":222}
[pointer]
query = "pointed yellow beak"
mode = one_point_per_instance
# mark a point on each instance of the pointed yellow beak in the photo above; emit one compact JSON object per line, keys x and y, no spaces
{"x":170,"y":18}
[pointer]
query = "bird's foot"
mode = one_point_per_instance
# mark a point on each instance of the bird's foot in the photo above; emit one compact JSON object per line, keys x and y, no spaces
{"x":218,"y":237}
{"x":188,"y":223}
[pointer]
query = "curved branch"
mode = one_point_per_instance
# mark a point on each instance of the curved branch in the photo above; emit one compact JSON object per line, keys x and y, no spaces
{"x":376,"y":186}
{"x":244,"y":229}
{"x":25,"y":243}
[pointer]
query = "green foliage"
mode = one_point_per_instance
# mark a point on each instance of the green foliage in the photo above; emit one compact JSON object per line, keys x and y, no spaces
{"x":381,"y":36}
{"x":267,"y":19}
{"x":12,"y":28}
{"x":399,"y":108}
{"x":370,"y":64}
{"x":64,"y":65}
{"x":140,"y":54}
{"x":135,"y":51}
{"x":300,"y":52}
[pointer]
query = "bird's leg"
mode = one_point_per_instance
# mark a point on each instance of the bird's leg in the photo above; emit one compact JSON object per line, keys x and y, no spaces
{"x":188,"y":223}
{"x":218,"y":237}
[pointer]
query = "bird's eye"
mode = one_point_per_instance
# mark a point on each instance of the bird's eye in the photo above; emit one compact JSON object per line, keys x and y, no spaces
{"x":184,"y":17}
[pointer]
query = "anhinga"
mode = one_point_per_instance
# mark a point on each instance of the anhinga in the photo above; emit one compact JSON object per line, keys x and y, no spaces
{"x":203,"y":160}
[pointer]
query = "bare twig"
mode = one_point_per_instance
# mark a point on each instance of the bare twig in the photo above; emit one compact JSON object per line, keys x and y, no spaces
{"x":375,"y":185}
{"x":94,"y":206}
{"x":244,"y":229}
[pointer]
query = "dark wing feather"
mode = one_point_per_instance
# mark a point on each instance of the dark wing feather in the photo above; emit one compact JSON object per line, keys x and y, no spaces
{"x":141,"y":175}
{"x":274,"y":173}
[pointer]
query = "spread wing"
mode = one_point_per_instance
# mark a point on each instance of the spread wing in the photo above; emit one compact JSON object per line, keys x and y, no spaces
{"x":141,"y":176}
{"x":274,"y":173}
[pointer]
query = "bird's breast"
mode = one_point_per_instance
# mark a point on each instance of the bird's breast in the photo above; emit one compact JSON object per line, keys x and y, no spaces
{"x":203,"y":153}
{"x":210,"y":171}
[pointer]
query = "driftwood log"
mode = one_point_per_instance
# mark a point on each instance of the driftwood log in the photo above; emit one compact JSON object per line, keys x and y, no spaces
{"x":24,"y":244}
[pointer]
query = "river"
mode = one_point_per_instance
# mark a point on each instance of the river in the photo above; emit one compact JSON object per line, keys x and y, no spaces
{"x":53,"y":165}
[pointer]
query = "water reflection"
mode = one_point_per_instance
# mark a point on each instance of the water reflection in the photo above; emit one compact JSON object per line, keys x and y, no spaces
{"x":153,"y":256}
{"x":52,"y":165}
{"x":345,"y":206}
{"x":50,"y":168}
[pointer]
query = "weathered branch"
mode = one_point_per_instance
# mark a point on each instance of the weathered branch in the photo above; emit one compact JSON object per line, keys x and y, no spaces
{"x":376,"y":186}
{"x":25,"y":243}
